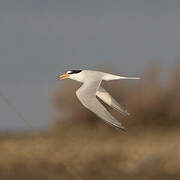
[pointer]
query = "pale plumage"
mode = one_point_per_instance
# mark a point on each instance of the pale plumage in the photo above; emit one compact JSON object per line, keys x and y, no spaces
{"x":91,"y":88}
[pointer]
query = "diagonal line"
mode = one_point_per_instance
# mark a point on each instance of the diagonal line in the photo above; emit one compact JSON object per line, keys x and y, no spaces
{"x":13,"y":108}
{"x":5,"y":99}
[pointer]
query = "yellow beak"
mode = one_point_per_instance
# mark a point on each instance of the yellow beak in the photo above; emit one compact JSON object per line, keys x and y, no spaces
{"x":64,"y":76}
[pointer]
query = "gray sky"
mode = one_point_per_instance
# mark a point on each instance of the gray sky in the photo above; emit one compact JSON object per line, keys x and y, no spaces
{"x":39,"y":38}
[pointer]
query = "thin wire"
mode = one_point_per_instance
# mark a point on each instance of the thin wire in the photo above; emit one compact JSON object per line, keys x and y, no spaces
{"x":5,"y":99}
{"x":13,"y":108}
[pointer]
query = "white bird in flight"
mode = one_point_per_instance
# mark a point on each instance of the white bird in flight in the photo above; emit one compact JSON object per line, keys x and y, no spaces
{"x":91,"y":88}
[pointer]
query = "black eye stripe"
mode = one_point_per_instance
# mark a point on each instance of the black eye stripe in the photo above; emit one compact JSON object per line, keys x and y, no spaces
{"x":74,"y":71}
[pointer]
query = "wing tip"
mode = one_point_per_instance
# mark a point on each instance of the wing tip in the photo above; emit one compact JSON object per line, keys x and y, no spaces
{"x":121,"y":110}
{"x":123,"y":128}
{"x":120,"y":127}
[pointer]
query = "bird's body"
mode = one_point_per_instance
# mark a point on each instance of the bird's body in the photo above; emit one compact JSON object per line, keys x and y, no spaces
{"x":91,"y":88}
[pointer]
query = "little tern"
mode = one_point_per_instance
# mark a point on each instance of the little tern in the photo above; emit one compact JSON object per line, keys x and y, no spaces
{"x":91,"y":88}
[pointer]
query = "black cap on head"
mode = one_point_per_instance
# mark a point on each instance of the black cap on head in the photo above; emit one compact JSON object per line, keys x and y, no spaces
{"x":73,"y":71}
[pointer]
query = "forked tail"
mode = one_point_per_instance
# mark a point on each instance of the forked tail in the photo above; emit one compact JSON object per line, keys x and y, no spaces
{"x":122,"y":77}
{"x":109,"y":77}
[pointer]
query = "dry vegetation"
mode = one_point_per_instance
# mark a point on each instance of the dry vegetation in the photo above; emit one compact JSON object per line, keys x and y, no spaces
{"x":81,"y":146}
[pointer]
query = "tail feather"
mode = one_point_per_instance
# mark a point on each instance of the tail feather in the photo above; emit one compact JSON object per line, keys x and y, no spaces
{"x":109,"y":77}
{"x":122,"y":77}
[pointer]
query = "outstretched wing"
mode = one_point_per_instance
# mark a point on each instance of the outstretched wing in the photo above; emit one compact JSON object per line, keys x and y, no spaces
{"x":87,"y":96}
{"x":108,"y":99}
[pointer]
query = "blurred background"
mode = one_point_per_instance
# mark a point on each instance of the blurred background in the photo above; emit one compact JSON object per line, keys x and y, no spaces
{"x":40,"y":38}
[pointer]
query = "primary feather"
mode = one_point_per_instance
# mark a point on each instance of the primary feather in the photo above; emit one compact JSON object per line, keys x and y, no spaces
{"x":109,"y":100}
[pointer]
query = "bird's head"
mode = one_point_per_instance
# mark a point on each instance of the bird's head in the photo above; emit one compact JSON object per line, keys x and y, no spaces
{"x":71,"y":74}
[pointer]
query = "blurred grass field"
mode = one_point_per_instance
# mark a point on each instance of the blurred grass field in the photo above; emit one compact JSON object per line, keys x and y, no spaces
{"x":77,"y":151}
{"x":79,"y":146}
